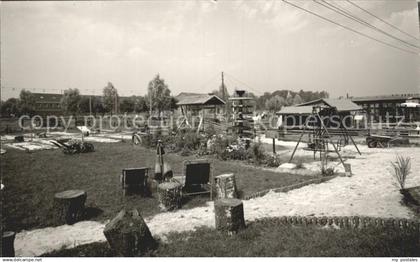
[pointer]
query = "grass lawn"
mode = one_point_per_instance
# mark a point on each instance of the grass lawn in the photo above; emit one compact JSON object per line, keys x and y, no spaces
{"x":32,"y":179}
{"x":269,"y":237}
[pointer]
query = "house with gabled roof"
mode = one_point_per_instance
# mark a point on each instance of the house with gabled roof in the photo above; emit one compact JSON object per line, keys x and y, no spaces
{"x":297,"y":115}
{"x":199,"y":104}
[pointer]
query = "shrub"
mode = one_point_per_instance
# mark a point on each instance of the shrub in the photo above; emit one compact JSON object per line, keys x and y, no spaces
{"x":77,"y":146}
{"x":238,"y":153}
{"x":192,"y":139}
{"x":257,"y":153}
{"x":330,"y":171}
{"x":186,"y":138}
{"x":186,"y":151}
{"x":402,"y":168}
{"x":148,"y":141}
{"x":299,"y":164}
{"x":218,"y":145}
{"x":210,"y":131}
{"x":273,"y":161}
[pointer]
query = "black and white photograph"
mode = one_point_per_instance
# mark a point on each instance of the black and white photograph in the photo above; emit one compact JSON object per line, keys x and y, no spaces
{"x":283,"y":129}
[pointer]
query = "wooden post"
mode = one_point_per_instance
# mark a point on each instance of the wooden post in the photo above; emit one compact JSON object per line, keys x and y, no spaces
{"x":274,"y":146}
{"x":128,"y":234}
{"x":226,"y":186}
{"x":347,"y":169}
{"x":69,"y":206}
{"x":169,"y":194}
{"x":7,"y":244}
{"x":229,"y":214}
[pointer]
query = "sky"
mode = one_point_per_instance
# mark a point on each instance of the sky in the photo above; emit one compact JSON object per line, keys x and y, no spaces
{"x":262,"y":46}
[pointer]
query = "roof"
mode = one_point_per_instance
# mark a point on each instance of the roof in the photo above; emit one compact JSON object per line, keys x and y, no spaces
{"x":295,"y":110}
{"x":235,"y":98}
{"x":198,"y":99}
{"x":340,"y":104}
{"x":401,"y":97}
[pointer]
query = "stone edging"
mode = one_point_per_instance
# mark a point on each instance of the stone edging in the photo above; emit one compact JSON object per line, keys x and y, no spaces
{"x":290,"y":187}
{"x":354,"y":222}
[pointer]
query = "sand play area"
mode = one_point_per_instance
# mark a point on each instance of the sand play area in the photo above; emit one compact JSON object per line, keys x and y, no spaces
{"x":371,"y":191}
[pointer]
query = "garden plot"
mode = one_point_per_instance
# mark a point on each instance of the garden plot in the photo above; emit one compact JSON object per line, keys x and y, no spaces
{"x":122,"y":136}
{"x":371,"y":191}
{"x":33,"y":145}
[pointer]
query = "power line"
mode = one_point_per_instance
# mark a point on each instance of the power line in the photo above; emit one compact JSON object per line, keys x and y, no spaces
{"x":209,"y":81}
{"x":350,"y":29}
{"x":380,"y":19}
{"x":351,"y":16}
{"x":241,"y":82}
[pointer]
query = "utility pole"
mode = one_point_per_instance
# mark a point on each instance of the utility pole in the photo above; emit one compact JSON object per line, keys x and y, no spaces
{"x":116,"y":102}
{"x":150,"y":101}
{"x":223,"y":86}
{"x":90,"y":105}
{"x":224,"y":94}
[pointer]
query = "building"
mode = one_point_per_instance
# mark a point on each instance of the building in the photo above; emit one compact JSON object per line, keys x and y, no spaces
{"x":47,"y":104}
{"x":395,"y":108}
{"x":193,"y":104}
{"x":50,"y":104}
{"x":297,"y":115}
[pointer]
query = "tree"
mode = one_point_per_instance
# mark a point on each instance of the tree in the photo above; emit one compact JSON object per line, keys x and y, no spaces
{"x":159,"y":94}
{"x":140,"y":104}
{"x":128,"y":104}
{"x":297,"y":100}
{"x":289,"y":99}
{"x":110,"y":98}
{"x":262,"y":99}
{"x":10,"y":107}
{"x":85,"y":105}
{"x":27,"y":102}
{"x":173,"y":103}
{"x":98,"y":106}
{"x":70,"y":102}
{"x":275,"y":103}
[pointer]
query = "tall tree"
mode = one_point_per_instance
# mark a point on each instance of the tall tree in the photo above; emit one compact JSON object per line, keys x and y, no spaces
{"x":110,"y":98}
{"x":297,"y":99}
{"x":140,"y":104}
{"x":128,"y":104}
{"x":173,"y":103}
{"x":27,"y":102}
{"x":10,"y":107}
{"x":275,"y":103}
{"x":159,"y":94}
{"x":86,"y":105}
{"x":70,"y":102}
{"x":98,"y":106}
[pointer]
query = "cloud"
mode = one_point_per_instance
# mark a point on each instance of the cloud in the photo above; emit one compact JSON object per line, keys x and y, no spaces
{"x":283,"y":18}
{"x":406,"y":20}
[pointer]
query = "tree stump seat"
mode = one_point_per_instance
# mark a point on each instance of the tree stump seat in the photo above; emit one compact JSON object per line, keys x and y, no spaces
{"x":229,"y":214}
{"x":7,"y":244}
{"x":226,"y":186}
{"x":128,"y":235}
{"x":170,"y":195}
{"x":69,"y":206}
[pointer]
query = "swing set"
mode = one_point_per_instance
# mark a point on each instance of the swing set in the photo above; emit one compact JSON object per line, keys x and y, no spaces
{"x":318,"y":127}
